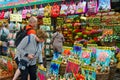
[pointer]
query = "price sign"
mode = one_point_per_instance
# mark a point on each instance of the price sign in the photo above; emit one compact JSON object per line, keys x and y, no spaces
{"x":91,"y":45}
{"x":90,"y":68}
{"x":16,"y":17}
{"x":106,"y":48}
{"x":87,"y":50}
{"x":57,"y":62}
{"x":65,"y":47}
{"x":74,"y":61}
{"x":76,"y":44}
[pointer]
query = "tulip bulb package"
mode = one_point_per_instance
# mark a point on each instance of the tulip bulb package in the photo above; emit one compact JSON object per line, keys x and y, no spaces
{"x":89,"y":72}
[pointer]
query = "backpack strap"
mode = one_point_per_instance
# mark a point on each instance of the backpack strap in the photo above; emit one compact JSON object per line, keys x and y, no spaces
{"x":55,"y":37}
{"x":27,"y":42}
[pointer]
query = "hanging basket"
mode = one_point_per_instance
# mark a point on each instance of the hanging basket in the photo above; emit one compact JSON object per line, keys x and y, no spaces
{"x":112,"y":71}
{"x":102,"y":76}
{"x":62,"y":69}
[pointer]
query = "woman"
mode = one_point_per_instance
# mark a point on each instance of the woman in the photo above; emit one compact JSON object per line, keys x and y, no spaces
{"x":32,"y":23}
{"x":4,"y":33}
{"x":28,"y":51}
{"x":57,"y":42}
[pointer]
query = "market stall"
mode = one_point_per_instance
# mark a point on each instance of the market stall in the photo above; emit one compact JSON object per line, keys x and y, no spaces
{"x":91,"y":30}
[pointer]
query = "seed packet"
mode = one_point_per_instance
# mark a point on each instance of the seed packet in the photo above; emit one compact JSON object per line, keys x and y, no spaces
{"x":86,"y":56}
{"x":54,"y":67}
{"x":89,"y":72}
{"x":41,"y":73}
{"x":72,"y":66}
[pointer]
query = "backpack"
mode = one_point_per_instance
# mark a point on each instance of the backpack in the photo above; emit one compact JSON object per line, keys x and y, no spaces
{"x":55,"y":11}
{"x":3,"y":36}
{"x":20,"y":35}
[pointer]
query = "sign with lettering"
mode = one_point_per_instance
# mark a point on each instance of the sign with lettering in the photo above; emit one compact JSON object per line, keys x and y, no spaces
{"x":65,"y":47}
{"x":74,"y":60}
{"x":91,"y":45}
{"x":87,"y":50}
{"x":106,"y":48}
{"x":56,"y":61}
{"x":16,"y":17}
{"x":90,"y":68}
{"x":76,"y":44}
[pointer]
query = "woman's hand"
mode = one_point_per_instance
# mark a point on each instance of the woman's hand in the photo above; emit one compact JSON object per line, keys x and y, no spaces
{"x":39,"y":40}
{"x":30,"y":56}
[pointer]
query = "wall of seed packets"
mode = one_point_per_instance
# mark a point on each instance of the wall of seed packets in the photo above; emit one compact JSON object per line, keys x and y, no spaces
{"x":83,"y":63}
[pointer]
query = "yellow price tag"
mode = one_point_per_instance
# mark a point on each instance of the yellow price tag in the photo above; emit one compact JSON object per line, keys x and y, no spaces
{"x":65,"y":47}
{"x":74,"y":60}
{"x":85,"y":49}
{"x":80,"y":10}
{"x":106,"y":48}
{"x":91,"y":45}
{"x":56,"y":61}
{"x":90,"y":68}
{"x":81,"y":45}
